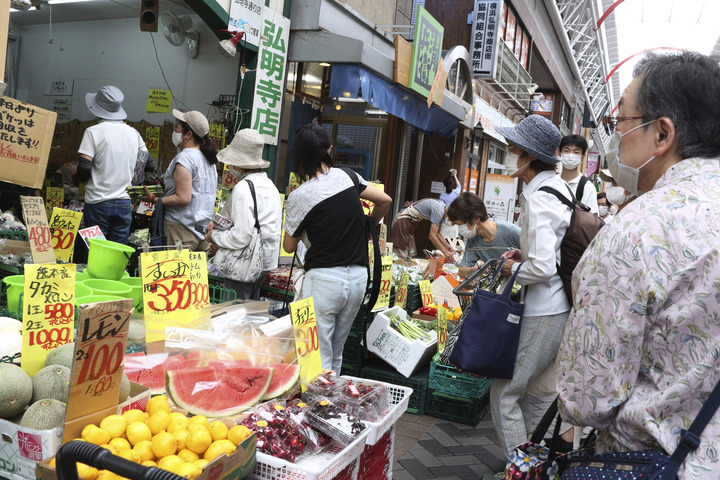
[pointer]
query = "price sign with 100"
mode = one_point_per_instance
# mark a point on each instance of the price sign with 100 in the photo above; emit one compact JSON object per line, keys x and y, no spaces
{"x":442,"y":328}
{"x":401,"y":295}
{"x":426,"y":292}
{"x":302,"y":313}
{"x":385,"y":283}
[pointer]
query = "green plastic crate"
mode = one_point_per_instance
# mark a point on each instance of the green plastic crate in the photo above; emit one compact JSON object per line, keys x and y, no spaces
{"x":379,"y":370}
{"x":456,"y":408}
{"x":450,"y":380}
{"x":353,"y":353}
{"x":220,"y":294}
{"x":14,"y":234}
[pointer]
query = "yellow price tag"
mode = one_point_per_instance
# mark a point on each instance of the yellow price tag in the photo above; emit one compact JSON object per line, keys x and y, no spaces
{"x":426,"y":292}
{"x":368,"y":206}
{"x":442,"y":328}
{"x":158,"y":101}
{"x":229,"y":177}
{"x":152,"y":141}
{"x":401,"y":295}
{"x":54,"y":197}
{"x":64,"y":226}
{"x":199,"y":280}
{"x":385,"y":283}
{"x":302,"y":314}
{"x":48,"y":312}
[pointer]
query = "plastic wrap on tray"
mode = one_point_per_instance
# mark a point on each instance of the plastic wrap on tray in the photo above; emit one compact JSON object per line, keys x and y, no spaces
{"x":297,"y":410}
{"x":325,"y":384}
{"x":333,"y":420}
{"x":277,"y":433}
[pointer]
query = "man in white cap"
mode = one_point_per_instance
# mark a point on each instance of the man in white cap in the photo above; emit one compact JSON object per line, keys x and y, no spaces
{"x":244,"y":155}
{"x":108,"y":154}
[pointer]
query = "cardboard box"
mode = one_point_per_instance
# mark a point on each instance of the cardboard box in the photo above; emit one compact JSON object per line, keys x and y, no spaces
{"x":139,"y":397}
{"x":224,"y":467}
{"x":442,"y":290}
{"x":387,"y":343}
{"x":21,"y":448}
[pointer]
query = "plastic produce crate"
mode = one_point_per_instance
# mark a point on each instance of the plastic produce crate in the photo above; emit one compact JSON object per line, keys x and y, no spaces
{"x":450,"y":380}
{"x":221,"y":294}
{"x":414,"y":299}
{"x":353,"y":351}
{"x":456,"y":407}
{"x":400,"y":397}
{"x":379,"y":370}
{"x":14,"y":234}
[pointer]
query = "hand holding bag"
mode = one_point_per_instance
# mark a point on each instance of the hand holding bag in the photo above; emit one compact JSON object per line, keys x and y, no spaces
{"x":246,"y":264}
{"x":488,"y":337}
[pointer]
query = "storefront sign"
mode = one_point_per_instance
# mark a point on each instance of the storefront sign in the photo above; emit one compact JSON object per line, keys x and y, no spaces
{"x":247,"y":16}
{"x":426,"y":52}
{"x":48,"y":312}
{"x":474,"y":175}
{"x":484,"y":40}
{"x":159,"y":101}
{"x":426,"y":292}
{"x":64,"y":226}
{"x":499,"y":197}
{"x":38,"y":229}
{"x":54,"y":197}
{"x":152,"y":141}
{"x":489,"y":119}
{"x":302,"y":314}
{"x":385,"y":283}
{"x":543,"y":104}
{"x":402,"y":291}
{"x":270,"y":76}
{"x":442,"y":328}
{"x":91,"y":232}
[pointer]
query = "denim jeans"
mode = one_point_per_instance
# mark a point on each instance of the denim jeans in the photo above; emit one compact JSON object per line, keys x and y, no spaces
{"x":114,"y":218}
{"x":337,"y":295}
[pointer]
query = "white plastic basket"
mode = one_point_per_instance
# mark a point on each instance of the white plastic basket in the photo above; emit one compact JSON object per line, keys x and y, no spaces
{"x":400,"y":398}
{"x":321,"y":466}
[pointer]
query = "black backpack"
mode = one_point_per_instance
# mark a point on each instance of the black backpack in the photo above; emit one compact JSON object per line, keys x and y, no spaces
{"x":583,"y":227}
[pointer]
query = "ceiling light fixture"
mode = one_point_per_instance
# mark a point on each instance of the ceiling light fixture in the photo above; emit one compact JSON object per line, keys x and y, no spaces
{"x":324,"y":64}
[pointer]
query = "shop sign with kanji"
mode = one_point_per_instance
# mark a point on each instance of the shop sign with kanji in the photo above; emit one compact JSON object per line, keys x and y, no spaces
{"x":247,"y":16}
{"x":270,"y":76}
{"x":426,"y":52}
{"x":483,"y":43}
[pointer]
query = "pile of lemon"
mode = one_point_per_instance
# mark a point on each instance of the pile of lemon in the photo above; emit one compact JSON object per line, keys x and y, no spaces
{"x":161,"y":438}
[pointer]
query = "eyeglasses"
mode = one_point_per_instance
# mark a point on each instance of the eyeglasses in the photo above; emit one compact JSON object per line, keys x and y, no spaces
{"x":612,"y":122}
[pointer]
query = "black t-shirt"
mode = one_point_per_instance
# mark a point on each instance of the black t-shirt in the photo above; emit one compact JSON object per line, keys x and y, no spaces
{"x":326,"y":213}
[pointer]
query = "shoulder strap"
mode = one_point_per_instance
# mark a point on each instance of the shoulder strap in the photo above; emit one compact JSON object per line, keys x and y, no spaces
{"x":580,"y":190}
{"x":562,"y":198}
{"x":252,"y":192}
{"x":351,"y":173}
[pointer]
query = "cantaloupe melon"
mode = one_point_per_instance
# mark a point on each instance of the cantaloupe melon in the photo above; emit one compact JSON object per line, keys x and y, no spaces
{"x":15,"y":390}
{"x":44,"y":415}
{"x":62,"y":355}
{"x":124,"y":388}
{"x":52,"y":381}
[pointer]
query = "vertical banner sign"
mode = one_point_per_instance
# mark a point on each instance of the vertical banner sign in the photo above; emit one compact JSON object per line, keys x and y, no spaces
{"x":48,"y":312}
{"x":401,"y":295}
{"x":483,"y":42}
{"x":168,"y":292}
{"x":152,"y":141}
{"x":25,"y":149}
{"x":270,"y":76}
{"x":91,"y":232}
{"x":64,"y":226}
{"x":246,"y":16}
{"x":199,"y":279}
{"x":385,"y":283}
{"x":426,"y":292}
{"x":38,"y":229}
{"x":302,"y":314}
{"x":426,"y":52}
{"x":442,"y":328}
{"x":54,"y":197}
{"x":97,"y":372}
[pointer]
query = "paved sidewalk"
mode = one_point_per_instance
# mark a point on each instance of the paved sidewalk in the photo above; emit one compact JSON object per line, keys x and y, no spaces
{"x":431,"y":448}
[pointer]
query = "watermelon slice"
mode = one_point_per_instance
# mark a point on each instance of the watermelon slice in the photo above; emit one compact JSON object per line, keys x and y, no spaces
{"x":216,"y":393}
{"x":284,"y":376}
{"x":149,"y":370}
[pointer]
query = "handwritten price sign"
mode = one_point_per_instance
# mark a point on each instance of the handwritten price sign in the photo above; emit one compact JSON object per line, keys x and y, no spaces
{"x":302,"y":314}
{"x":97,"y":372}
{"x":91,"y":232}
{"x":401,"y":295}
{"x":64,"y":226}
{"x":152,"y":141}
{"x":48,"y":312}
{"x":54,"y":197}
{"x":385,"y":283}
{"x":426,"y":292}
{"x":442,"y":328}
{"x":229,"y":178}
{"x":38,"y":229}
{"x":199,"y":279}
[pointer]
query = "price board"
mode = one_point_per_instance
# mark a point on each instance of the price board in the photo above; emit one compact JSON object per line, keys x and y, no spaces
{"x":38,"y":229}
{"x":152,"y":141}
{"x":64,"y":226}
{"x":170,"y":297}
{"x":229,"y":177}
{"x":54,"y":197}
{"x":442,"y":328}
{"x":145,"y":208}
{"x":91,"y":232}
{"x":97,"y":371}
{"x":385,"y":283}
{"x":367,"y":205}
{"x":426,"y":292}
{"x":48,"y":312}
{"x":401,"y":295}
{"x":199,"y":280}
{"x":302,"y":314}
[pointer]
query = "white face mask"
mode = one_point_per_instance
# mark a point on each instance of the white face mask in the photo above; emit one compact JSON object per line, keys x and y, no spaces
{"x":511,"y":161}
{"x":570,"y":160}
{"x":465,"y":231}
{"x":616,"y":195}
{"x":177,"y":138}
{"x":625,"y":176}
{"x":602,"y":210}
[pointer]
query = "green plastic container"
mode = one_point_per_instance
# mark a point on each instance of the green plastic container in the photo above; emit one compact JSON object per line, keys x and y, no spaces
{"x":115,"y":288}
{"x":82,"y":290}
{"x":136,"y":284}
{"x":81,"y":276}
{"x":14,"y":285}
{"x":97,"y":298}
{"x":108,"y":259}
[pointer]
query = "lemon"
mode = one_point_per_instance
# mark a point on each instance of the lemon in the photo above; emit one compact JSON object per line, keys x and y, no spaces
{"x":201,"y":463}
{"x":218,"y":447}
{"x":170,"y":463}
{"x":158,"y":402}
{"x":188,"y":470}
{"x":164,"y":444}
{"x":130,"y":454}
{"x":238,"y":433}
{"x":120,"y":444}
{"x":175,"y":425}
{"x":177,"y":416}
{"x":149,"y":463}
{"x":137,"y":432}
{"x":198,"y":439}
{"x":52,"y":462}
{"x":158,"y":421}
{"x":135,"y":415}
{"x":181,"y":437}
{"x":115,"y":425}
{"x":188,"y":455}
{"x":144,"y":449}
{"x":106,"y":475}
{"x":107,"y":446}
{"x":200,"y":420}
{"x":218,"y":430}
{"x":86,"y":472}
{"x":94,"y":434}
